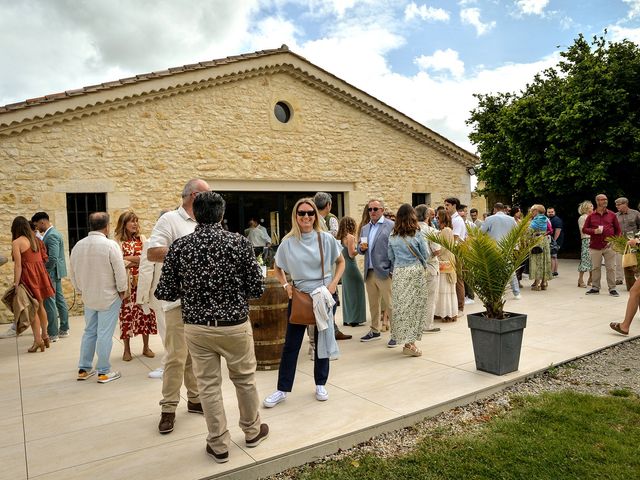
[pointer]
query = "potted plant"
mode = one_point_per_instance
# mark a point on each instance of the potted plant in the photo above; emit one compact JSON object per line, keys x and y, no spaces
{"x":488,"y":266}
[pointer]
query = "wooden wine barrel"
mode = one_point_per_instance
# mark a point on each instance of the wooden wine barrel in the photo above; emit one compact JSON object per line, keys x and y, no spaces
{"x":268,"y":315}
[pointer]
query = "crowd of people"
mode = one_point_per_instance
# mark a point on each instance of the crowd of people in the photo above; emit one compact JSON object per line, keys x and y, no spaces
{"x":191,"y":282}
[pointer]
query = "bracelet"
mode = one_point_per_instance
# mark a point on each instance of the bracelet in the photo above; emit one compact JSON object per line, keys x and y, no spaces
{"x":285,"y":285}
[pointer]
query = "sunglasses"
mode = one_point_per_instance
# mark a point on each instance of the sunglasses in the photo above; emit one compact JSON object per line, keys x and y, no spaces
{"x":374,"y":209}
{"x":307,"y":213}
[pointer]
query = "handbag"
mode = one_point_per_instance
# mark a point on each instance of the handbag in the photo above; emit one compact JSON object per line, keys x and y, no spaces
{"x":446,"y":266}
{"x":302,"y":303}
{"x":629,"y":259}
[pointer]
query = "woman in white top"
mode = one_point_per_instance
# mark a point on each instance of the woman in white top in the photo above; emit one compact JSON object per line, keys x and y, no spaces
{"x":584,"y":209}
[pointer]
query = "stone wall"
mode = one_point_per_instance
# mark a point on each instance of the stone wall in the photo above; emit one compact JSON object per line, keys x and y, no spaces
{"x":142,"y":155}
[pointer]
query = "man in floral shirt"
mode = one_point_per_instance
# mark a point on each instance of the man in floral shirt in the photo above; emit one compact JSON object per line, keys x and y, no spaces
{"x":215,"y":273}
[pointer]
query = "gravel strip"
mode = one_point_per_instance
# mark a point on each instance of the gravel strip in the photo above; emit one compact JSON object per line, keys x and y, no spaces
{"x":615,"y":368}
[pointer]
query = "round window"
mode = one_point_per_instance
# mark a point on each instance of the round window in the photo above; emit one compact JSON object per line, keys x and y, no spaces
{"x":282,"y":111}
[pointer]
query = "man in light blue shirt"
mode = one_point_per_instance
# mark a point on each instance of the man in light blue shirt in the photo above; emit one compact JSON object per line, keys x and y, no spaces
{"x":498,"y":226}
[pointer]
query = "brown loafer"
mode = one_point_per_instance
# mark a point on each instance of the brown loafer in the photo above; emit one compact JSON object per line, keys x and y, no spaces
{"x":148,"y":353}
{"x":167,"y":421}
{"x":342,"y":336}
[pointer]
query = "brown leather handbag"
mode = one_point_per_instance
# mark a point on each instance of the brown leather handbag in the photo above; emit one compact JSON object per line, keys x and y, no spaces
{"x":302,"y":303}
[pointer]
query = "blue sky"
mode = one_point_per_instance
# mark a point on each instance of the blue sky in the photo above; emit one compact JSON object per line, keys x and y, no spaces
{"x":426,"y":59}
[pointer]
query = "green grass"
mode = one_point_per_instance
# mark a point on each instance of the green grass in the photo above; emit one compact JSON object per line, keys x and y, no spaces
{"x":553,"y":436}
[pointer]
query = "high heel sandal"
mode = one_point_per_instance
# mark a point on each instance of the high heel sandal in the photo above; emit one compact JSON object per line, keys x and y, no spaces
{"x":46,"y":341}
{"x":34,"y":348}
{"x":412,"y":351}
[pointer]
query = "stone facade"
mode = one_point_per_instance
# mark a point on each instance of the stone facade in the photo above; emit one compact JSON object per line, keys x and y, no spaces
{"x":141,"y":153}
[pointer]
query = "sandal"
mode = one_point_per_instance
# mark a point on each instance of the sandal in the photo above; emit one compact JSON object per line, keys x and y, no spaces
{"x":616,"y":326}
{"x":148,"y":353}
{"x":46,"y":341}
{"x":412,"y":351}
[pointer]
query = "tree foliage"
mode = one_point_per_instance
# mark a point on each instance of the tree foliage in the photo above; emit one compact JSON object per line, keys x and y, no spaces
{"x":573,"y":132}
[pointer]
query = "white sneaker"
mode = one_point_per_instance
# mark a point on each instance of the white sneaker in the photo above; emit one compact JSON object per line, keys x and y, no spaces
{"x":274,"y":399}
{"x":460,"y":314}
{"x":108,"y":377}
{"x":10,"y":333}
{"x":517,"y":296}
{"x":63,"y":333}
{"x":469,"y":301}
{"x":321,"y":393}
{"x":157,"y":373}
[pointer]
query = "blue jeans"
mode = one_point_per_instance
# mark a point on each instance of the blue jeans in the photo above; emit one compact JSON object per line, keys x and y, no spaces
{"x":514,"y":285}
{"x":98,"y":337}
{"x":56,"y":308}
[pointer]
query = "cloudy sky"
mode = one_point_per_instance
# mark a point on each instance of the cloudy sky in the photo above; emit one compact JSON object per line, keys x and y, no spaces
{"x":426,"y":59}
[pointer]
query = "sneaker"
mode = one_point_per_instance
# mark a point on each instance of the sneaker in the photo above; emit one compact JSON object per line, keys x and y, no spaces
{"x":10,"y":333}
{"x":592,"y":291}
{"x":167,"y":420}
{"x":392,"y":343}
{"x":63,"y":333}
{"x":108,"y":377}
{"x":321,"y":393}
{"x":460,"y":313}
{"x":431,"y":330}
{"x":257,"y":440}
{"x":218,"y":457}
{"x":614,"y":293}
{"x":53,"y":338}
{"x":194,"y":407}
{"x":83,"y":374}
{"x":469,"y":301}
{"x":370,"y":336}
{"x":619,"y":282}
{"x":555,"y":274}
{"x":517,"y":296}
{"x":157,"y":373}
{"x":274,"y":399}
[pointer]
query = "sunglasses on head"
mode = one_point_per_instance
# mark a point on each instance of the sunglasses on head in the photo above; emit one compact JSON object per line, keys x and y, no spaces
{"x":374,"y":209}
{"x":307,"y":213}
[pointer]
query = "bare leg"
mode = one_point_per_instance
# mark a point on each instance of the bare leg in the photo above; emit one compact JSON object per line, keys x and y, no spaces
{"x":632,"y":306}
{"x":581,"y":279}
{"x":126,"y":356}
{"x":146,"y":351}
{"x":42,"y":315}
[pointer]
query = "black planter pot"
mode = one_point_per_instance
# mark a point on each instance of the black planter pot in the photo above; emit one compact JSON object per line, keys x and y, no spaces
{"x":497,"y":343}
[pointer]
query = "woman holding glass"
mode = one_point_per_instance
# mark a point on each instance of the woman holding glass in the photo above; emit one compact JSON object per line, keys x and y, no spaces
{"x":299,"y":256}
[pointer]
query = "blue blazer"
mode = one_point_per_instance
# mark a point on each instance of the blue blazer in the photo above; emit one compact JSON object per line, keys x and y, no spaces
{"x":56,"y":265}
{"x":382,"y":266}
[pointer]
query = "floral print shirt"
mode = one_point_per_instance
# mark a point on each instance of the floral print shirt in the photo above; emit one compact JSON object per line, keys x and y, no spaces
{"x":214,"y":273}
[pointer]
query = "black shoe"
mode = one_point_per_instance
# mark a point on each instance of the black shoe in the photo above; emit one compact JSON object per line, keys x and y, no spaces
{"x":166,"y":422}
{"x":218,"y":457}
{"x":264,"y":433}
{"x":614,"y":293}
{"x":194,"y":407}
{"x":555,"y":274}
{"x":593,"y":291}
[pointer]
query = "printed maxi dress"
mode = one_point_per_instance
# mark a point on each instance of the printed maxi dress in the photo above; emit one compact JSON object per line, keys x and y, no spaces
{"x":133,"y":320}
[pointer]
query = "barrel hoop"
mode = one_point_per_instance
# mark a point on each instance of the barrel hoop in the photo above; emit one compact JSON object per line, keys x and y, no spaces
{"x":277,"y":306}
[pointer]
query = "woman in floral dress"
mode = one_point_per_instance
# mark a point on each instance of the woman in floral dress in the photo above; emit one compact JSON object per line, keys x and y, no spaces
{"x":133,"y":320}
{"x":584,"y":209}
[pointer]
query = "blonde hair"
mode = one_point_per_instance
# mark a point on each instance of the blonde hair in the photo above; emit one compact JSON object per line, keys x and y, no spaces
{"x":121,"y":233}
{"x":295,"y":228}
{"x":584,"y":207}
{"x":539,"y":208}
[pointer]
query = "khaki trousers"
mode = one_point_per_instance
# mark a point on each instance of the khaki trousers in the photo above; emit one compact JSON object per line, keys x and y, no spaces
{"x":460,"y":292}
{"x":378,"y":290}
{"x":433,"y":284}
{"x":235,"y":344}
{"x":610,"y":265}
{"x":178,"y":364}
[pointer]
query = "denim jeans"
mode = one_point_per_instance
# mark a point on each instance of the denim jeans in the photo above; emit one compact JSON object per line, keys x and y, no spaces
{"x":515,"y":288}
{"x":98,"y":337}
{"x":56,"y":308}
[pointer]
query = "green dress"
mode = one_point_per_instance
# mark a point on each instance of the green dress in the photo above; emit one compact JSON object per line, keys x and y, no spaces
{"x":353,"y":299}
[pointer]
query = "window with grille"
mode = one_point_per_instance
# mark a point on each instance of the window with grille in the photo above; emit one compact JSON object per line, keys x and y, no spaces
{"x":79,"y":206}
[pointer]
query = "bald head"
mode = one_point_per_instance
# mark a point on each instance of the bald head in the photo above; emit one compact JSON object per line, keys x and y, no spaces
{"x":191,"y":189}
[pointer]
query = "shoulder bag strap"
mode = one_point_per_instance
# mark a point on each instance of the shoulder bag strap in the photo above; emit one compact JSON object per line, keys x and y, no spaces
{"x":321,"y":256}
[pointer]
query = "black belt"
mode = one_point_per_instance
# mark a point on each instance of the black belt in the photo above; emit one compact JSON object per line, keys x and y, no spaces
{"x":223,"y":323}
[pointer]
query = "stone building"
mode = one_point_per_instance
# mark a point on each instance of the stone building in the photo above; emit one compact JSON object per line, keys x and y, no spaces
{"x":262,"y":128}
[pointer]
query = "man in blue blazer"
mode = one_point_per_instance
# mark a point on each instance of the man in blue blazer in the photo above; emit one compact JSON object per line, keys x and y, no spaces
{"x":377,"y":266}
{"x":56,"y":307}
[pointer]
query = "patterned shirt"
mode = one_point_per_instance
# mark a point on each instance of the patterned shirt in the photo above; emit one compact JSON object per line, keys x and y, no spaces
{"x":214,"y":272}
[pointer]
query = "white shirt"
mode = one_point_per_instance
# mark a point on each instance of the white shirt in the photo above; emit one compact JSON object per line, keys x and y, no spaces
{"x":170,"y":227}
{"x":459,"y":227}
{"x":97,"y":271}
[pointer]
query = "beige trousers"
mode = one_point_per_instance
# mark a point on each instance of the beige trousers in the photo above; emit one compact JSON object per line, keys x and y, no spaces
{"x":178,"y":364}
{"x":433,"y":284}
{"x":610,"y":265}
{"x":207,"y":346}
{"x":378,"y":290}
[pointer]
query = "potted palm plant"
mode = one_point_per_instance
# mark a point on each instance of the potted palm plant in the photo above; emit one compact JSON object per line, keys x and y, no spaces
{"x":488,"y":266}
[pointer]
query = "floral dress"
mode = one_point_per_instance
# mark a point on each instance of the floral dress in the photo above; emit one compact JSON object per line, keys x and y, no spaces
{"x":133,"y":320}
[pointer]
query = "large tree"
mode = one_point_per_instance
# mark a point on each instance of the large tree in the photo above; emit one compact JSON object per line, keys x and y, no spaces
{"x":573,"y":132}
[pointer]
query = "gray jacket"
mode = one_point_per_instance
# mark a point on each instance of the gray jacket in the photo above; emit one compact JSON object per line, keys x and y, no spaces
{"x":382,"y":266}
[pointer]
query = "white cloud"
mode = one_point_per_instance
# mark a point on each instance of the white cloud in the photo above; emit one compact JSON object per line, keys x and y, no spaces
{"x":471,"y":16}
{"x":442,"y":60}
{"x":634,"y":8}
{"x":618,"y":33}
{"x":532,"y":7}
{"x":425,"y":13}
